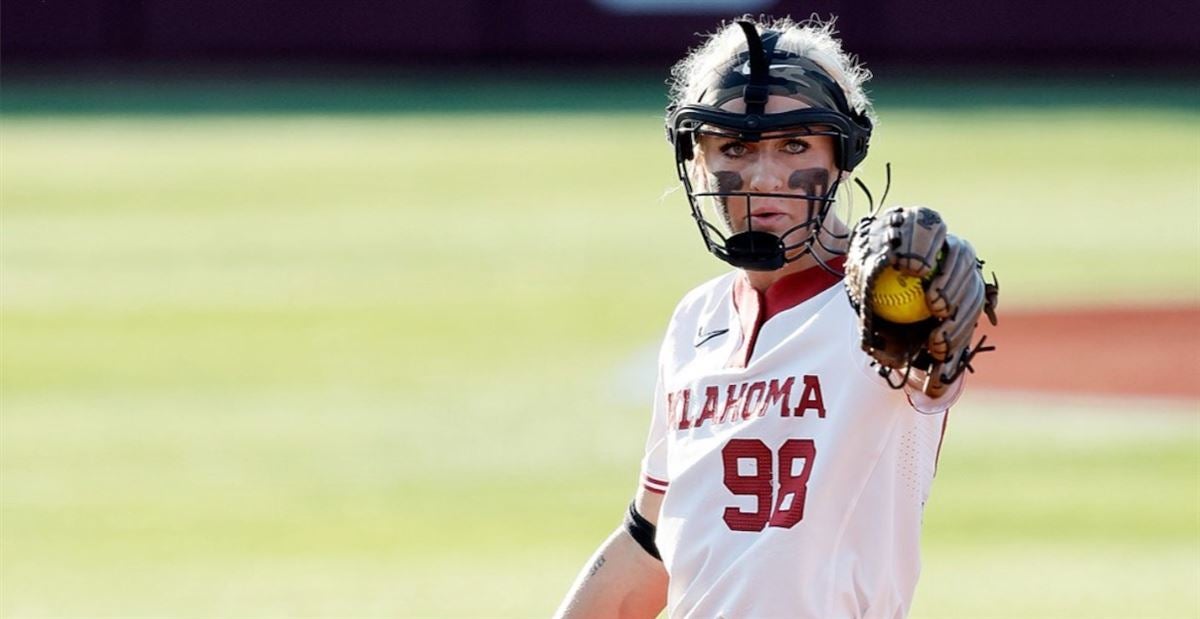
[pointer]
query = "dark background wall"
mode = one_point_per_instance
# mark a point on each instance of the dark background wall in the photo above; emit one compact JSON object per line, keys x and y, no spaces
{"x":556,"y":32}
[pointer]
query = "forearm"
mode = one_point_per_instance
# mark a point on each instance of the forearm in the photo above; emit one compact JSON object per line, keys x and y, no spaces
{"x":620,"y":580}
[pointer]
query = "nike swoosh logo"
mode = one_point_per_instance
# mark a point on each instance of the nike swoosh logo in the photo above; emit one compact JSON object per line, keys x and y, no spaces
{"x":704,"y":337}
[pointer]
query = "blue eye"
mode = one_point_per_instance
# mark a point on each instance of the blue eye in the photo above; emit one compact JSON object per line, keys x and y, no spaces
{"x":734,"y":149}
{"x":795,"y":147}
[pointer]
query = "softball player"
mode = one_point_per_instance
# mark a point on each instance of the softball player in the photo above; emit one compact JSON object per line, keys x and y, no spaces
{"x":785,"y":475}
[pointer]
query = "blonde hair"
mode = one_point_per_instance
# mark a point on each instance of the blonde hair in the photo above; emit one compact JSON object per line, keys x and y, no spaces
{"x":813,"y":39}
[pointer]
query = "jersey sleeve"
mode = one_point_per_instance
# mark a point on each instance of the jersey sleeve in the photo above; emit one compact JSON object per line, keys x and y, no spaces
{"x":654,"y":476}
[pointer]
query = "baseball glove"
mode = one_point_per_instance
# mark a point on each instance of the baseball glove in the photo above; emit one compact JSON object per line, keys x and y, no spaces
{"x":914,"y":241}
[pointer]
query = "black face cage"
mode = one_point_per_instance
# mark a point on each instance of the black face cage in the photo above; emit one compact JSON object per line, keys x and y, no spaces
{"x":758,"y":250}
{"x":830,"y":116}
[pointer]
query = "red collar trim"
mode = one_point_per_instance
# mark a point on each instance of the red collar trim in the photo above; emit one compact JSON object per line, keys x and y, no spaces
{"x":797,"y":288}
{"x":754,"y":308}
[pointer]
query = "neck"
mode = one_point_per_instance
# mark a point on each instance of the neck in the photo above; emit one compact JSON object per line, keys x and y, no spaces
{"x":761,"y":280}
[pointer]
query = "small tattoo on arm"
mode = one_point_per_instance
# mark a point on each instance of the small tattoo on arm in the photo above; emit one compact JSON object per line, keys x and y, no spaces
{"x":596,"y":565}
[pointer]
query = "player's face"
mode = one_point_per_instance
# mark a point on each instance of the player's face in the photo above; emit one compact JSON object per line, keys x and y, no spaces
{"x":797,"y":165}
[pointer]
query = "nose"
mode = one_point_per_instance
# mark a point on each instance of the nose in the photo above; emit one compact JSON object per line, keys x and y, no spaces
{"x":766,"y":176}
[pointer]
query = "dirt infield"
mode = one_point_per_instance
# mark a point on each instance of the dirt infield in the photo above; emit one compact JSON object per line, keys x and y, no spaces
{"x":1132,"y":352}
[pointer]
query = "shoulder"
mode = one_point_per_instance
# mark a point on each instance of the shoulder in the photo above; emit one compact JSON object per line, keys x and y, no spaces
{"x":710,"y":302}
{"x":707,"y":296}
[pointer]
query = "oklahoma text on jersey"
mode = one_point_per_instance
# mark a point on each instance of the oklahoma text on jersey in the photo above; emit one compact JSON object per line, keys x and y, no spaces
{"x":745,"y":400}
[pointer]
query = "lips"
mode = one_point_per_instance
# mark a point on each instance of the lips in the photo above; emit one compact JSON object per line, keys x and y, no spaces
{"x":765,"y":217}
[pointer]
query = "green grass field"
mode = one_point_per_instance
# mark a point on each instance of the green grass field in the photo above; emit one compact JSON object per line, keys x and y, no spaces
{"x":263,"y":362}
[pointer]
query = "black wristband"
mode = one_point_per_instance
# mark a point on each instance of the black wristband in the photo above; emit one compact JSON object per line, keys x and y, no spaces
{"x":641,"y":530}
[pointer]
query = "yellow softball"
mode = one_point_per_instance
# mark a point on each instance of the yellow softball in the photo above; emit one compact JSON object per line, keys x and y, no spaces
{"x":899,"y":298}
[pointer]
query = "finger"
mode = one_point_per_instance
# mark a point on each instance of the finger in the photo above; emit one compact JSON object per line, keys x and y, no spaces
{"x":958,"y":273}
{"x":937,"y":344}
{"x":926,"y":235}
{"x":955,"y":333}
{"x":922,"y":234}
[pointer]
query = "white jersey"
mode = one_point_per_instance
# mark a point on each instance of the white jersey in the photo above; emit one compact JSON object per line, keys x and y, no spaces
{"x":793,"y":477}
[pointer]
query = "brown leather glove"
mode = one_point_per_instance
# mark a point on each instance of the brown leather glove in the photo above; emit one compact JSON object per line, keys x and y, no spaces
{"x":914,"y":240}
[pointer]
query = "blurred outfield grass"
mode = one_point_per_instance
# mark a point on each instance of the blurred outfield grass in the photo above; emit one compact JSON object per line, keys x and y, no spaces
{"x":304,"y":352}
